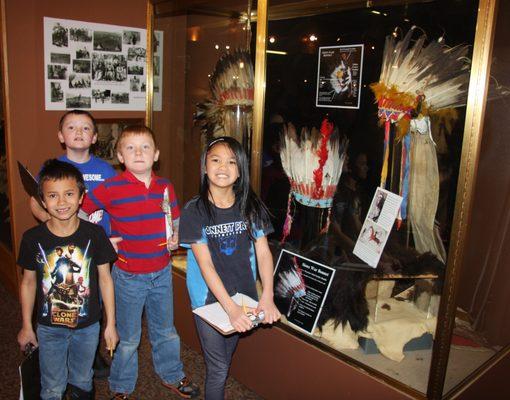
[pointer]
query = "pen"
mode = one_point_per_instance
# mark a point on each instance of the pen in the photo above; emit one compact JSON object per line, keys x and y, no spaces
{"x":162,"y":244}
{"x":111,"y":352}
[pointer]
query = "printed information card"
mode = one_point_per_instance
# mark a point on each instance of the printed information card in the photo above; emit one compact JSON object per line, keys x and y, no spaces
{"x":300,"y":288}
{"x":377,"y":226}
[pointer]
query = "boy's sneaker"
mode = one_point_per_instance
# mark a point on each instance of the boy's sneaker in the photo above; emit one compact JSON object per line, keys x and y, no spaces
{"x":120,"y":396}
{"x":184,"y":388}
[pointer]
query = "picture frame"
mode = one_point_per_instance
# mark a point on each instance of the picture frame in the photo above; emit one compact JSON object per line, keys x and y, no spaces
{"x":108,"y":131}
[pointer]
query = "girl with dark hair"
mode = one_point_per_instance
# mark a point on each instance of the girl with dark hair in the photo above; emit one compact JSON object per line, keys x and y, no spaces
{"x":225,"y":227}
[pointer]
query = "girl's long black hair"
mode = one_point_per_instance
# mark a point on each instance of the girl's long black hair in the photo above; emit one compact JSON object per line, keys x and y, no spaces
{"x":251,"y":207}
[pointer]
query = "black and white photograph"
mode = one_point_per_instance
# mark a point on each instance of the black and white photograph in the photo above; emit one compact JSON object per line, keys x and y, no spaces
{"x":57,"y":94}
{"x":108,"y":132}
{"x":80,"y":35}
{"x":339,"y":76}
{"x":57,"y":71}
{"x":155,"y":84}
{"x":97,"y":66}
{"x":101,"y":96}
{"x":156,"y":65}
{"x":77,"y":101}
{"x":83,"y":53}
{"x":109,"y":67}
{"x":59,"y":36}
{"x":120,"y":98}
{"x":136,"y":54}
{"x":377,"y":226}
{"x":135,"y":70}
{"x":134,"y":83}
{"x":131,"y":37}
{"x":107,"y":41}
{"x":300,"y":288}
{"x":81,"y":66}
{"x":377,"y":206}
{"x":79,"y":81}
{"x":60,"y":58}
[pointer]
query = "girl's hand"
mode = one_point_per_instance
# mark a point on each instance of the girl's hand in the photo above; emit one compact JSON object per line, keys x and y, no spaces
{"x":239,"y":320}
{"x":111,"y":338}
{"x":271,"y":313}
{"x":26,"y":336}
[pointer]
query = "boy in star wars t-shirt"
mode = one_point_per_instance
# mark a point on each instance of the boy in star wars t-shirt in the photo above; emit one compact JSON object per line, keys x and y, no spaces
{"x":65,"y":263}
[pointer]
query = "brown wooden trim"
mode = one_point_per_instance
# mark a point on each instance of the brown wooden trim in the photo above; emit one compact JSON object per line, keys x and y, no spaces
{"x":479,"y":80}
{"x":259,"y":96}
{"x":12,"y":275}
{"x":477,"y":373}
{"x":149,"y":91}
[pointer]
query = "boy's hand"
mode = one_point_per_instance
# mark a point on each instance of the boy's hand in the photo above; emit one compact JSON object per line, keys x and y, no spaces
{"x":239,"y":320}
{"x":271,"y":313}
{"x":111,"y":338}
{"x":26,"y":336}
{"x":114,"y":241}
{"x":173,"y":243}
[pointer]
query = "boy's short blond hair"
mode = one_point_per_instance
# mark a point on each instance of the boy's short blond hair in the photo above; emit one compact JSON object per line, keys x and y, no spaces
{"x":135,"y":130}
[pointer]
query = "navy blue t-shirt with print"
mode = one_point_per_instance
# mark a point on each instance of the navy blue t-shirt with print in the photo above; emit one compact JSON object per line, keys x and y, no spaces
{"x":66,"y":271}
{"x":232,"y":250}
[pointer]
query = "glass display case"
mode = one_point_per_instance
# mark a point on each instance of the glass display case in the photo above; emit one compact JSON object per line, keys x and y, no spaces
{"x":324,"y":136}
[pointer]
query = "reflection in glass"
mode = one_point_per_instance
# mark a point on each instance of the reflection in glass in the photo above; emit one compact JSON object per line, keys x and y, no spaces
{"x":401,"y":296}
{"x":482,"y":323}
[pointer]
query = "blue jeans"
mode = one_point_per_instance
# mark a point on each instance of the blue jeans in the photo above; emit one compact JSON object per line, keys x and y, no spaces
{"x":66,"y":356}
{"x":218,"y":351}
{"x":134,"y":292}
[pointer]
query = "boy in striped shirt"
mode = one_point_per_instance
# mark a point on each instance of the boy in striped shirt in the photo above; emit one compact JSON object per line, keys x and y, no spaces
{"x":142,"y":277}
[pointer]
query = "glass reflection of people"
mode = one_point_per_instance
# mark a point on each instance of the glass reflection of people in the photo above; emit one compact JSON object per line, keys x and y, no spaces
{"x":275,"y":184}
{"x":347,"y":214}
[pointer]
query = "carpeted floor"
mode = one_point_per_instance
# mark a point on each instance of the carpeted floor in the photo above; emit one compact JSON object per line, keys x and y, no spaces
{"x":148,"y":386}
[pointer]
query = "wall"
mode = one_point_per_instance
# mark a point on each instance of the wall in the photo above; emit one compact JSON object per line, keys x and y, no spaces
{"x":483,"y":291}
{"x":32,"y":130}
{"x":168,"y":124}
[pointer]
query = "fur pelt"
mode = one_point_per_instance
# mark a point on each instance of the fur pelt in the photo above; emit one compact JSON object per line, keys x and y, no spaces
{"x":346,"y":301}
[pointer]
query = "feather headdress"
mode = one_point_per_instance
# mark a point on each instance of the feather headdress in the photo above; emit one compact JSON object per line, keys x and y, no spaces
{"x":231,"y":86}
{"x":418,"y":80}
{"x":435,"y":75}
{"x":291,"y":283}
{"x":313,"y":163}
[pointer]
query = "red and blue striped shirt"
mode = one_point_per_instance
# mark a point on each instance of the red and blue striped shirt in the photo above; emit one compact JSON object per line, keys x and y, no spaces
{"x":136,"y":216}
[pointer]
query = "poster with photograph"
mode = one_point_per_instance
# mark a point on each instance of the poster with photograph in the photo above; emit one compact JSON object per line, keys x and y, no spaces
{"x":108,"y":131}
{"x":300,"y":288}
{"x":377,"y":226}
{"x":96,"y":66}
{"x":339,"y":76}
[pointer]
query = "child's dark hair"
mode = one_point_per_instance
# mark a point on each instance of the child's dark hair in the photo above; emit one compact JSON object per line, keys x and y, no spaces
{"x":55,"y":170}
{"x":251,"y":207}
{"x":77,"y":112}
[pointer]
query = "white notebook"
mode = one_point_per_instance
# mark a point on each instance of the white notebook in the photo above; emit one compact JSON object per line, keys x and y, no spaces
{"x":215,"y":315}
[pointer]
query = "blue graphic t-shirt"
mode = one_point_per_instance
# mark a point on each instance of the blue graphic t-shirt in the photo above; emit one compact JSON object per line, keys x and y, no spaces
{"x":95,"y":171}
{"x":66,"y":270}
{"x":232,"y":250}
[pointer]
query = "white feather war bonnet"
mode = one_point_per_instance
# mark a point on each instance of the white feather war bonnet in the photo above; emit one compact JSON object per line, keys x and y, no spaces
{"x":417,"y":81}
{"x":313,"y":163}
{"x":229,"y":110}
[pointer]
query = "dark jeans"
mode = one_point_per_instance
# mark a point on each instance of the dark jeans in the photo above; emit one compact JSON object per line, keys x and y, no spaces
{"x":218,"y":351}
